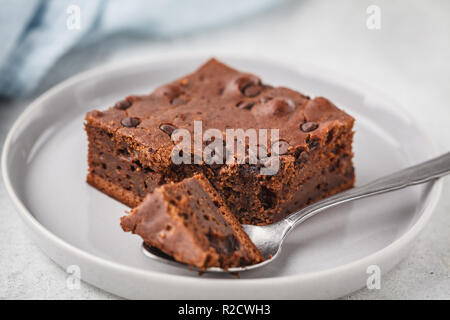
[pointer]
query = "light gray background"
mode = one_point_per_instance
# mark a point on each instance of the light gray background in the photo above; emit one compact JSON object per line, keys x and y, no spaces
{"x":409,"y":59}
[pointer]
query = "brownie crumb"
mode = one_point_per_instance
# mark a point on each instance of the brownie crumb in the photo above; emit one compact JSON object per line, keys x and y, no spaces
{"x":193,"y":213}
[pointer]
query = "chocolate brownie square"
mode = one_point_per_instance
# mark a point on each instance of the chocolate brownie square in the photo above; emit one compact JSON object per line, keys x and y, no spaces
{"x":190,"y":222}
{"x":131,"y":144}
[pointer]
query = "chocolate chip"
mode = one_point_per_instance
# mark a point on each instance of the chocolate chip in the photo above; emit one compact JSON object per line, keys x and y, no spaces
{"x":131,"y":122}
{"x":283,"y":147}
{"x":215,"y":167}
{"x":265,"y":99}
{"x":302,"y":158}
{"x":313,"y":144}
{"x":309,"y":126}
{"x":178,"y":101}
{"x":170,"y":91}
{"x":245,"y":105}
{"x":267,"y":198}
{"x":330,"y":135}
{"x":282,"y":106}
{"x":122,"y":105}
{"x":251,"y":90}
{"x":167,"y":128}
{"x":231,"y":244}
{"x":298,"y":152}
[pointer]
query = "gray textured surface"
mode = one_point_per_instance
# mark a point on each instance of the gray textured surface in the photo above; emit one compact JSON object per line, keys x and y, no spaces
{"x":409,"y":58}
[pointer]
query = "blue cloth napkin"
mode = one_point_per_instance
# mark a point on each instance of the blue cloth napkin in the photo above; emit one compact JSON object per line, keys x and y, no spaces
{"x":34,"y":34}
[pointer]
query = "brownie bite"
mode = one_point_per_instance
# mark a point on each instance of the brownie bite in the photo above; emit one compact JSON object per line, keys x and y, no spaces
{"x":190,"y":222}
{"x":131,"y":143}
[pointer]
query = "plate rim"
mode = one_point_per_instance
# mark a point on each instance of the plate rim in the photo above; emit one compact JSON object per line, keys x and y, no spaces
{"x":306,"y":68}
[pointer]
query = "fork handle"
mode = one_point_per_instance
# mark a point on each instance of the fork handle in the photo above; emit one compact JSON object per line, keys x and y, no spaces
{"x":424,"y":172}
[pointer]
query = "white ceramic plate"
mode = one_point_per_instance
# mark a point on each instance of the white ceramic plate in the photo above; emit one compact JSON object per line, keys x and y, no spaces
{"x":44,"y":168}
